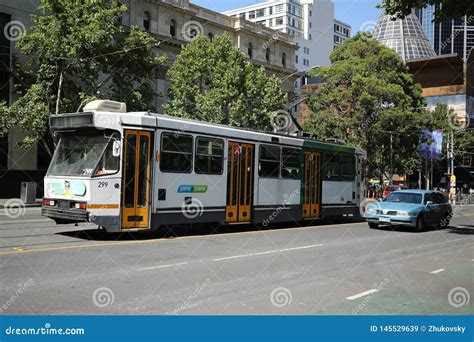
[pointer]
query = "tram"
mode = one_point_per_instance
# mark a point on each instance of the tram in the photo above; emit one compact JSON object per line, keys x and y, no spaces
{"x":129,"y":171}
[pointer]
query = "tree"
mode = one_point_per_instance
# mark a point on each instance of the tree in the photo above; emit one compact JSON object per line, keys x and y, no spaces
{"x":80,"y":51}
{"x":449,"y":9}
{"x":212,"y":81}
{"x":367,"y":94}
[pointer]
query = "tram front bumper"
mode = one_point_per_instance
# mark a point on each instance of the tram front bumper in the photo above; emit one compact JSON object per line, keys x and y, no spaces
{"x":65,"y":215}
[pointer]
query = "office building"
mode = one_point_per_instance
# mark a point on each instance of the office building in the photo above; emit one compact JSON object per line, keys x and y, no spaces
{"x":448,"y":36}
{"x":310,"y":22}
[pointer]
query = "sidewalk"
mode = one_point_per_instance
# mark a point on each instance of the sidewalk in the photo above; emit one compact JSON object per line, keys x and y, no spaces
{"x":16,"y":202}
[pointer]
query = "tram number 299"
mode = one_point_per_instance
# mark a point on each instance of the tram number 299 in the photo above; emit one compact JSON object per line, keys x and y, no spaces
{"x":103,"y":184}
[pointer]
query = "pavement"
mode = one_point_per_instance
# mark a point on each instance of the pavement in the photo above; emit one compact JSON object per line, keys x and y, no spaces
{"x":343,"y":268}
{"x":16,"y":202}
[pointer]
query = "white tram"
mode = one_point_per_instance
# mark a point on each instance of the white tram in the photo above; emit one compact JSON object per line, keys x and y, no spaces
{"x":138,"y":171}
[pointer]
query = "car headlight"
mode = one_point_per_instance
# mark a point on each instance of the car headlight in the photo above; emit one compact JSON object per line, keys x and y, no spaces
{"x":404,"y":213}
{"x":371,"y":211}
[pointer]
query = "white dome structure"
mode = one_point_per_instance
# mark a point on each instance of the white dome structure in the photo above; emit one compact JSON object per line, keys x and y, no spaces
{"x":405,"y":36}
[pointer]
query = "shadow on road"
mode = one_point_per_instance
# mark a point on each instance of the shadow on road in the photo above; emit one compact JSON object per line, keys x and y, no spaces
{"x":464,"y":230}
{"x":171,"y":232}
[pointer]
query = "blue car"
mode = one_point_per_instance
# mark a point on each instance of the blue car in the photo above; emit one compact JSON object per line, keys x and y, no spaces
{"x":413,"y":208}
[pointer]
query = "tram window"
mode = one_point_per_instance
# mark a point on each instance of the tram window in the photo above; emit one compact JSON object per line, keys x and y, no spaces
{"x":209,"y":156}
{"x":269,"y":161}
{"x":176,"y":153}
{"x":333,"y":167}
{"x":290,"y":163}
{"x":109,"y":163}
{"x":348,"y":166}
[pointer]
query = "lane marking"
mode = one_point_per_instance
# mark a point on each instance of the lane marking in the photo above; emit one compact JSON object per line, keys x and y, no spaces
{"x":438,"y":271}
{"x":266,"y":252}
{"x":362,"y":294}
{"x":162,"y":266}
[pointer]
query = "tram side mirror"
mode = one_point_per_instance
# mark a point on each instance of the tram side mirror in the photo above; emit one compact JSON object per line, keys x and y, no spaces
{"x":116,"y":148}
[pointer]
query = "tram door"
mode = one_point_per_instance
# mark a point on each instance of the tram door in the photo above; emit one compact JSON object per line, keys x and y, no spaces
{"x":312,"y":185}
{"x":136,"y":179}
{"x":239,"y":182}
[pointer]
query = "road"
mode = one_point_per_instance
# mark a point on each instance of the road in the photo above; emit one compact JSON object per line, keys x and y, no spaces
{"x":342,"y":268}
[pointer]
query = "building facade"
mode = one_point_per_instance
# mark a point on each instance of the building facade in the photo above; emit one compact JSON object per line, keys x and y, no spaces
{"x":342,"y":31}
{"x":448,"y":36}
{"x":311,"y":22}
{"x":172,"y":23}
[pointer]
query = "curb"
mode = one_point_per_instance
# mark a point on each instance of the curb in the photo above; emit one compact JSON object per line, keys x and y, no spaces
{"x":24,"y":205}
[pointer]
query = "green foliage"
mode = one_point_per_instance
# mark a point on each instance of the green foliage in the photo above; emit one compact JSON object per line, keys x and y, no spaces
{"x":449,"y":8}
{"x":367,"y":93}
{"x":212,"y":81}
{"x":84,"y":44}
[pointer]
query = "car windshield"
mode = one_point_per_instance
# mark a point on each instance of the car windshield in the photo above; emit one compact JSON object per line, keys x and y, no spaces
{"x":404,"y":197}
{"x":81,"y":155}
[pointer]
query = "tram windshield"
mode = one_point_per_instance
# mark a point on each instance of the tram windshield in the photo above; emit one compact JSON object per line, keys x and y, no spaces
{"x":85,"y":155}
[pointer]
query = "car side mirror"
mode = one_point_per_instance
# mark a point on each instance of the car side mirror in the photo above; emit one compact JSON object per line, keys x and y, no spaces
{"x":429,"y":203}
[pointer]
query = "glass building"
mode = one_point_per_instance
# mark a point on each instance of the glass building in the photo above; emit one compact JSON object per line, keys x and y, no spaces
{"x":449,"y":36}
{"x":405,"y":36}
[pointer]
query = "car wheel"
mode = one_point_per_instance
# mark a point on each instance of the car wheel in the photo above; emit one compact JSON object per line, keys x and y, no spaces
{"x":373,"y":225}
{"x":420,"y":223}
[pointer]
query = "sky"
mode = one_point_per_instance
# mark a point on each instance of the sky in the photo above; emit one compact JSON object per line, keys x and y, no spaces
{"x":360,"y":14}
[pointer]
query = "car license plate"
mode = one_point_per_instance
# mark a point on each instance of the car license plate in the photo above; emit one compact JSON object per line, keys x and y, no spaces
{"x":384,"y":220}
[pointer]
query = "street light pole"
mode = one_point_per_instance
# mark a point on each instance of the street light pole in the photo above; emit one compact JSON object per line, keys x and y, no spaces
{"x":390,"y":181}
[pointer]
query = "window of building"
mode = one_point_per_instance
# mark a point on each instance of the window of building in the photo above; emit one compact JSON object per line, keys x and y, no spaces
{"x":310,"y":36}
{"x":176,"y":153}
{"x":296,"y":59}
{"x":278,"y":8}
{"x":310,"y":13}
{"x":279,"y":21}
{"x":252,"y":15}
{"x":146,"y":20}
{"x":310,"y":24}
{"x":283,"y":59}
{"x":260,"y":13}
{"x":269,"y":163}
{"x":209,"y":156}
{"x":210,"y":35}
{"x":173,"y":28}
{"x":242,"y":15}
{"x":270,"y":10}
{"x":267,"y":55}
{"x":290,"y":165}
{"x":250,"y":50}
